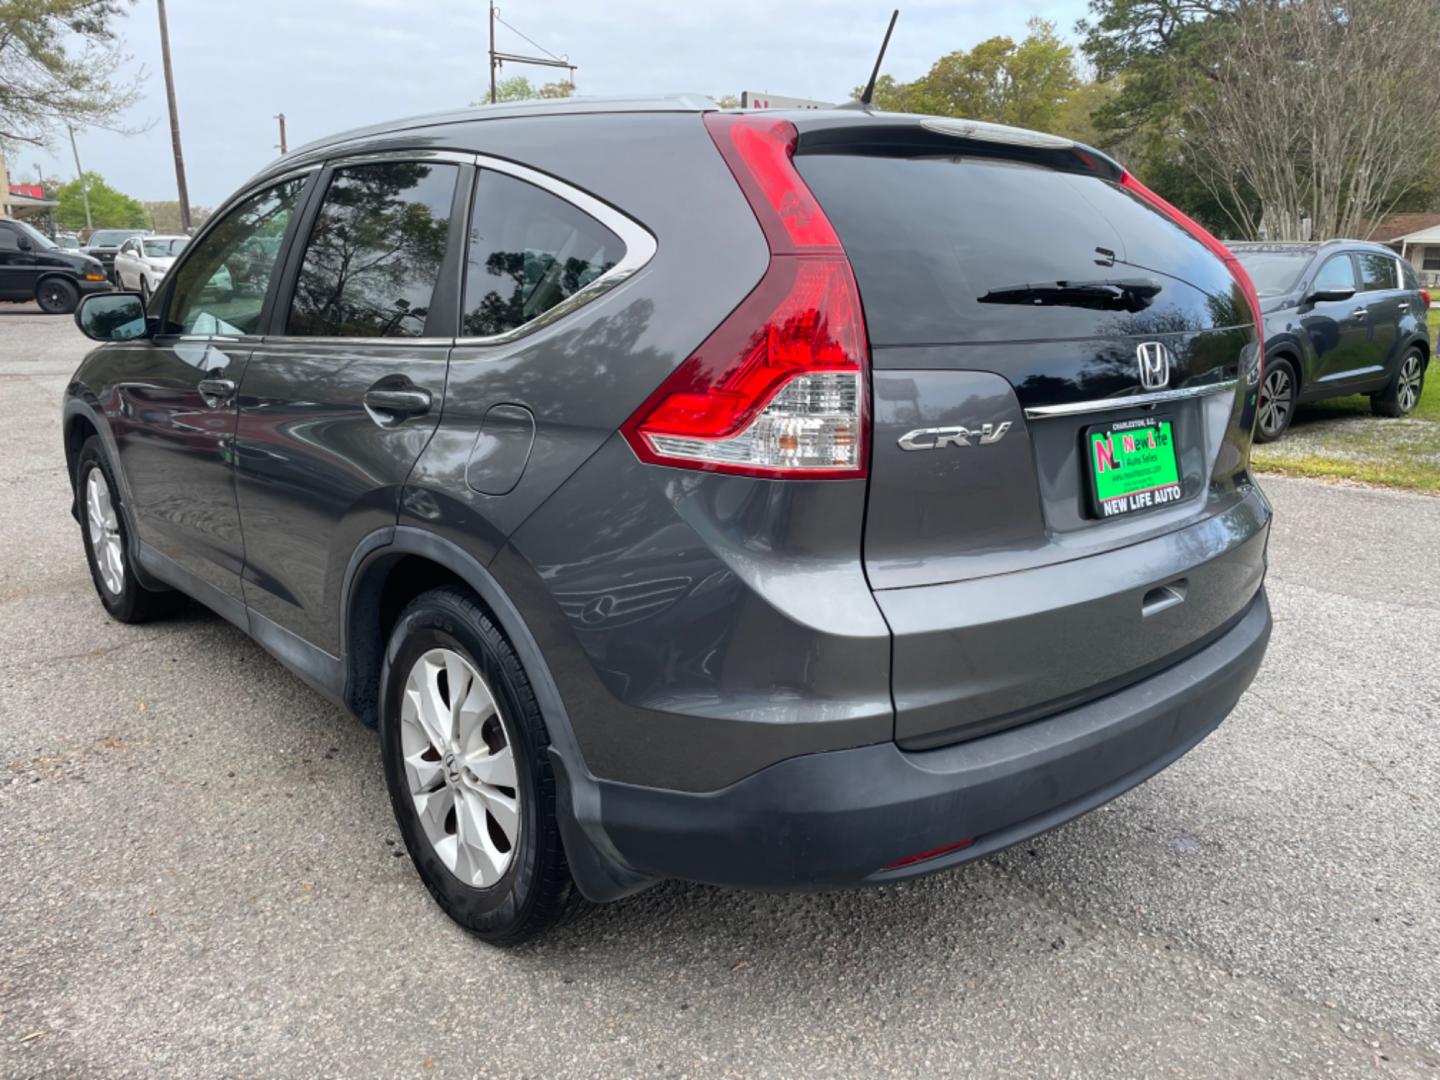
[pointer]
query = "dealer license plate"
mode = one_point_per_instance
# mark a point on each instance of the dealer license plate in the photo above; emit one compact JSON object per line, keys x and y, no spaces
{"x":1132,"y":466}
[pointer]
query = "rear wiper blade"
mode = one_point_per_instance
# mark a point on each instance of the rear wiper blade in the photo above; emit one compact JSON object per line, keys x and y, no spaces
{"x":1132,"y":294}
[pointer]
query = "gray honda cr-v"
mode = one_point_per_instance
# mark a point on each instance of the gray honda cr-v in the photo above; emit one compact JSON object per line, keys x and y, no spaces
{"x":779,"y":500}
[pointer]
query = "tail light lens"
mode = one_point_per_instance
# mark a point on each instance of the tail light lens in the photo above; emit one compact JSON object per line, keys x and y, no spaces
{"x":778,"y":389}
{"x":1425,"y":298}
{"x":1223,"y":253}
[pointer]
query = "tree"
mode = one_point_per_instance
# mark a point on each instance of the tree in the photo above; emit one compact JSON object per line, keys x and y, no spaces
{"x":1025,"y":84}
{"x":109,"y":209}
{"x":1296,"y":117}
{"x":59,"y":64}
{"x":165,"y":216}
{"x":519,"y":88}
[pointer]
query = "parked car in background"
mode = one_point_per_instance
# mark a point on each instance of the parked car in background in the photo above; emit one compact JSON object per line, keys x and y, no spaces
{"x":142,"y":262}
{"x":67,"y":241}
{"x":34,"y":267}
{"x":1343,"y":317}
{"x":104,"y":244}
{"x":881,"y":503}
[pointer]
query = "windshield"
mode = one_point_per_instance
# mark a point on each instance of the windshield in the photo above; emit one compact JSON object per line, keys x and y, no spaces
{"x":39,"y":239}
{"x":1274,"y":272}
{"x":166,"y":247}
{"x":110,"y":237}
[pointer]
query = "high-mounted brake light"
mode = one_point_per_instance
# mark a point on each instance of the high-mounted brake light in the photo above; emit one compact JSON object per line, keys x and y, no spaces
{"x":779,"y":388}
{"x":1223,"y":253}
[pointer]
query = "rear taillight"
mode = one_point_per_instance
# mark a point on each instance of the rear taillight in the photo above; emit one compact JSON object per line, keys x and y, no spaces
{"x":779,"y":388}
{"x":1195,"y":229}
{"x":1425,"y":298}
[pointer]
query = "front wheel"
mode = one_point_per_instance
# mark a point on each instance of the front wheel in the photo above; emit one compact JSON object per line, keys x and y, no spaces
{"x":107,"y":547}
{"x":464,"y":746}
{"x":56,"y":296}
{"x":1403,"y":393}
{"x":1277,"y":401}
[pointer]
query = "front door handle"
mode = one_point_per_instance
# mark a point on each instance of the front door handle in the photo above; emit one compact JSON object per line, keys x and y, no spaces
{"x":216,"y":392}
{"x":389,"y":405}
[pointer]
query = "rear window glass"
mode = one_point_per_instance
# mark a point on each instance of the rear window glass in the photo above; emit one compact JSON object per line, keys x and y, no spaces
{"x":1274,"y":272}
{"x":1378,"y":272}
{"x":953,"y":249}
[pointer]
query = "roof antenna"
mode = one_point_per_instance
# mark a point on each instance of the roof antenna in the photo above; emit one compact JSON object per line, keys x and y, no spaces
{"x":870,"y":86}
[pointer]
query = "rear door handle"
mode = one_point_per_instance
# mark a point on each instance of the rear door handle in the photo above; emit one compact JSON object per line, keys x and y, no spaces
{"x":1360,"y":313}
{"x":1404,"y":306}
{"x":216,"y":392}
{"x":390,"y":405}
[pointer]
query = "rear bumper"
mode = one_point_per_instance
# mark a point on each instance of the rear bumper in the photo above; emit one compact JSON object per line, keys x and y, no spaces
{"x":842,"y":817}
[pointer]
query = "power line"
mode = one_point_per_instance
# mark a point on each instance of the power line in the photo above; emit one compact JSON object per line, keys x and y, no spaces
{"x":532,"y":41}
{"x":498,"y":58}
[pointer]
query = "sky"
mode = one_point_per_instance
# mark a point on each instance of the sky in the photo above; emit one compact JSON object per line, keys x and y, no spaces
{"x":336,"y":64}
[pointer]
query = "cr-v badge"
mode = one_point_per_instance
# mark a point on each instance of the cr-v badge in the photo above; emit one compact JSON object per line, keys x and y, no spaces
{"x":933,"y":438}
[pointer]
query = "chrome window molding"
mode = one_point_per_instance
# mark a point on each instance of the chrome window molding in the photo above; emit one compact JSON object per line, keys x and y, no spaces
{"x":1074,"y":408}
{"x":358,"y":342}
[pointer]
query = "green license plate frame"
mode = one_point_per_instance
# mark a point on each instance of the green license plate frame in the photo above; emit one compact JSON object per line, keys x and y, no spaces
{"x":1132,"y":466}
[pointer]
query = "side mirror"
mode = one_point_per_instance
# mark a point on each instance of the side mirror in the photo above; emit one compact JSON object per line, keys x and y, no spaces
{"x":1326,"y":295}
{"x":24,"y":244}
{"x":112,"y":317}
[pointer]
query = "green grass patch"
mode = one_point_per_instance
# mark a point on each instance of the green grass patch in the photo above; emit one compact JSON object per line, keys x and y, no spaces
{"x":1342,"y":439}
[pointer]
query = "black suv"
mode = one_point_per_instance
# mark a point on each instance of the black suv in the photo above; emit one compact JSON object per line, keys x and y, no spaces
{"x":34,"y":267}
{"x":1341,"y":318}
{"x":782,"y":500}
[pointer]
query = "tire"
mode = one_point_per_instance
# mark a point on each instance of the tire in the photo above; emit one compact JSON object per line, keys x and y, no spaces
{"x":107,"y":543}
{"x":1276,"y":406}
{"x":1403,"y":394}
{"x":514,"y":886}
{"x":56,"y":296}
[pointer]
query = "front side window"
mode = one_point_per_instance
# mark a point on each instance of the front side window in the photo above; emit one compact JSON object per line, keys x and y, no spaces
{"x":1337,"y":273}
{"x":374,"y":255}
{"x":528,"y":251}
{"x":1378,"y":272}
{"x":221,"y":287}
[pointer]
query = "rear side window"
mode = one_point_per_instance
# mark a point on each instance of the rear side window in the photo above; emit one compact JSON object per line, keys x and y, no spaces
{"x":1337,"y":273}
{"x":528,"y":251}
{"x":1412,"y":279}
{"x":1378,"y":272}
{"x":955,"y":248}
{"x":374,"y":254}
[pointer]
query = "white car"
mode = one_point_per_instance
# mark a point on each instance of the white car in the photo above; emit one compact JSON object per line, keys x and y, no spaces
{"x":142,"y":262}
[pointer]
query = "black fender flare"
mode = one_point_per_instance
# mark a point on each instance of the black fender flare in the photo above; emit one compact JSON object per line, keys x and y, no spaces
{"x":598,"y":868}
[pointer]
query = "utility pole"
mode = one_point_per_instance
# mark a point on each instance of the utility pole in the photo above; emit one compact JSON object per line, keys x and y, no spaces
{"x":498,"y":58}
{"x":80,"y":173}
{"x":283,"y":148}
{"x":174,"y":120}
{"x":493,"y":63}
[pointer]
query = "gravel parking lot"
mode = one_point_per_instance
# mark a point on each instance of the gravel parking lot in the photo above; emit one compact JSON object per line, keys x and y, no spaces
{"x":201,"y":875}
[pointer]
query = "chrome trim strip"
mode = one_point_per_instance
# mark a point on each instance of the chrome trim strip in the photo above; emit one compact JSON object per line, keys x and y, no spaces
{"x":1075,"y":408}
{"x":1353,"y":373}
{"x":419,"y":154}
{"x":357,"y":342}
{"x":640,"y":248}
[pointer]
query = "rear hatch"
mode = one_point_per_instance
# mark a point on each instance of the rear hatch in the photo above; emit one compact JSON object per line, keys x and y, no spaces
{"x":1046,"y":521}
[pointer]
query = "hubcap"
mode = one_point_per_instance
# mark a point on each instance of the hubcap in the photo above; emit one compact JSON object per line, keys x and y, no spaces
{"x":1409,"y":388}
{"x":460,"y":767}
{"x":104,"y":526}
{"x":1275,"y":401}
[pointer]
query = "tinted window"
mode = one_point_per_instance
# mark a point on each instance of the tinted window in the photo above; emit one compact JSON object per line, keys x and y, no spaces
{"x":164,"y":249}
{"x":1378,"y":272}
{"x":528,"y":251}
{"x":1274,"y":272}
{"x":110,"y":237}
{"x":9,"y":240}
{"x":951,"y":248}
{"x":1412,"y":279}
{"x":1337,"y":273}
{"x":221,"y":286}
{"x":374,"y":254}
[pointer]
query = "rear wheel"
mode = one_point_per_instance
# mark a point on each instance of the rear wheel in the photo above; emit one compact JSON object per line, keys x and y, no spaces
{"x":1403,"y":393}
{"x":464,"y":746}
{"x":1277,"y":400}
{"x":56,"y":296}
{"x":107,"y":543}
